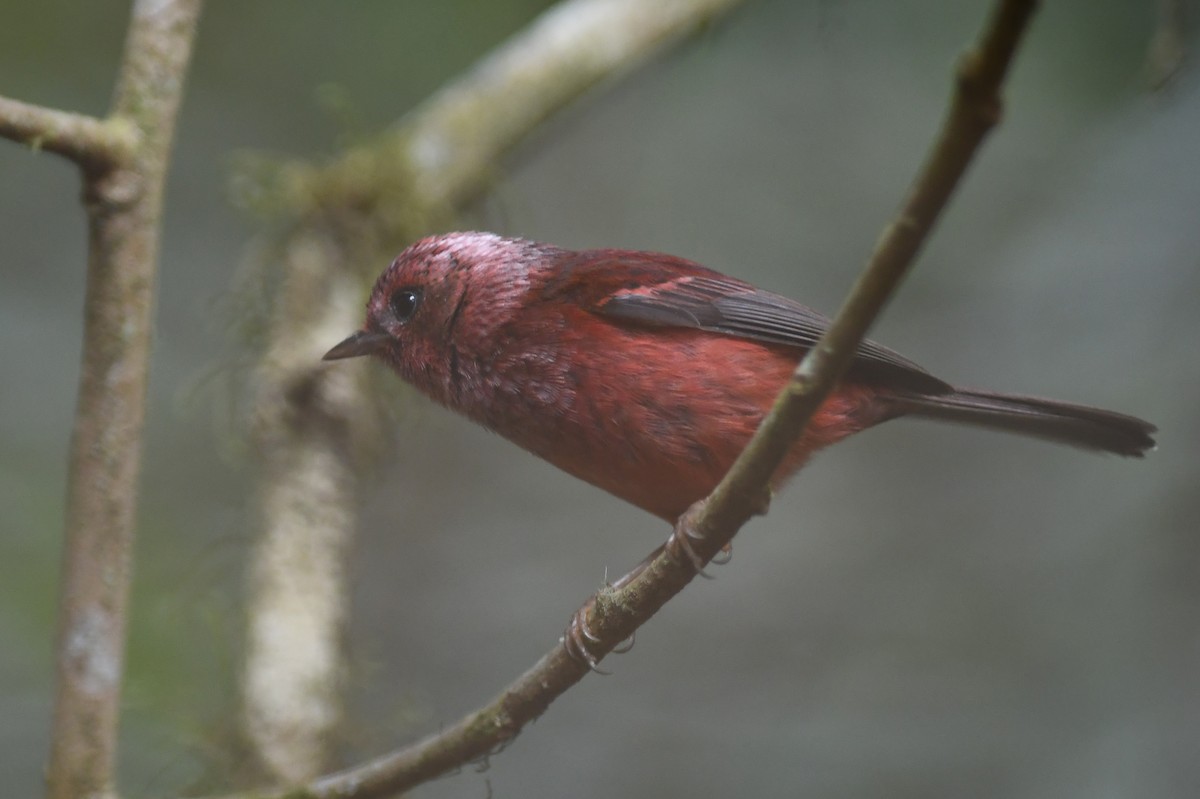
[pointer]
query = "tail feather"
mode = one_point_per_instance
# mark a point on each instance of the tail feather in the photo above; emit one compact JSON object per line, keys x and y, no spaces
{"x":1076,"y":425}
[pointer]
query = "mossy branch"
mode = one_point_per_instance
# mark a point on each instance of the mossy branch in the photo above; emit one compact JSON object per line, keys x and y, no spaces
{"x":90,"y":142}
{"x":123,"y":160}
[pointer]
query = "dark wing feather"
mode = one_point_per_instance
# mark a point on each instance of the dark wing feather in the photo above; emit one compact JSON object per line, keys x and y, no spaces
{"x":719,"y":304}
{"x":653,"y":290}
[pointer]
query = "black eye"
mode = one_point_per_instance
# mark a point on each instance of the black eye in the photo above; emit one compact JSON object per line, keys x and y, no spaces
{"x":404,"y":303}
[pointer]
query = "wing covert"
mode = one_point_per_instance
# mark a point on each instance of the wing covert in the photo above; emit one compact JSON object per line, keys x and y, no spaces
{"x":732,"y":307}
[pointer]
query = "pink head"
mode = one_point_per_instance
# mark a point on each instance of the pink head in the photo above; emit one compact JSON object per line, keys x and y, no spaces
{"x":441,"y":303}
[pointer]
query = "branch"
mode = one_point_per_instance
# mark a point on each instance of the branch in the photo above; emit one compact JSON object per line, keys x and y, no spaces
{"x":311,"y":429}
{"x":975,"y":109}
{"x":573,"y":46}
{"x":86,"y":140}
{"x":123,"y":201}
{"x":312,"y":425}
{"x":615,"y":613}
{"x":445,"y":151}
{"x":1165,"y":56}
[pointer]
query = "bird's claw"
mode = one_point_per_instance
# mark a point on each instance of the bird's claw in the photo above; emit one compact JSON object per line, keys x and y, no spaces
{"x":577,"y":637}
{"x":683,"y":535}
{"x":682,"y":545}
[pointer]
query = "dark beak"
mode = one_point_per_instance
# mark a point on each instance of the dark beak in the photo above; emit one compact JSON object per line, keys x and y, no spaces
{"x":364,"y":342}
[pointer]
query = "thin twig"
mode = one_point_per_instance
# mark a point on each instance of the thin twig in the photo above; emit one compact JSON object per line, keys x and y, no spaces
{"x":124,"y":204}
{"x":614,"y":614}
{"x":1165,"y":56}
{"x":90,"y":142}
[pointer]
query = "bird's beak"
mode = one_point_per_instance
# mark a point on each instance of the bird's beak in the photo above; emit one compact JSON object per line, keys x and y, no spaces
{"x":363,"y":342}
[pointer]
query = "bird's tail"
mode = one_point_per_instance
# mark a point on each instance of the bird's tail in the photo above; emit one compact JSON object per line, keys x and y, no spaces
{"x":1077,"y":425}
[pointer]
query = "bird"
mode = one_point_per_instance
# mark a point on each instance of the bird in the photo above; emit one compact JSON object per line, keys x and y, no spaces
{"x":645,"y":374}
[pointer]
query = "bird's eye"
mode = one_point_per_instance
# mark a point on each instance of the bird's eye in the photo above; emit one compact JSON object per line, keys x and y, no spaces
{"x":404,"y":303}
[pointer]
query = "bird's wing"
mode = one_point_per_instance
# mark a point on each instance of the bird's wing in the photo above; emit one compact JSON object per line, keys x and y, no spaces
{"x":662,"y":291}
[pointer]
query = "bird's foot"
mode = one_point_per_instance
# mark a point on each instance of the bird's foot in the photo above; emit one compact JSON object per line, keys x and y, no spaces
{"x":680,"y":545}
{"x":578,"y":639}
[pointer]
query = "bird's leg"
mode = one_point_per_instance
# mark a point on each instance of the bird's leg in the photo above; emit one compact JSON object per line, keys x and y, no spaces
{"x":626,"y":579}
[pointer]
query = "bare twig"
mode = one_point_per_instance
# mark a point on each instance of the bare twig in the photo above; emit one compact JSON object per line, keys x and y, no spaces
{"x":1165,"y":56}
{"x":311,"y":424}
{"x":123,"y":194}
{"x":86,"y":140}
{"x":614,"y":614}
{"x":975,"y":109}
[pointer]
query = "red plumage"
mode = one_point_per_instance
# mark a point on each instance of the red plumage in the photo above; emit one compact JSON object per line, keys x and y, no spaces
{"x":646,"y":374}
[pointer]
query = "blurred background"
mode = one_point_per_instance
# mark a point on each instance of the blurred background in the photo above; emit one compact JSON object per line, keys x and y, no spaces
{"x":928,"y":611}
